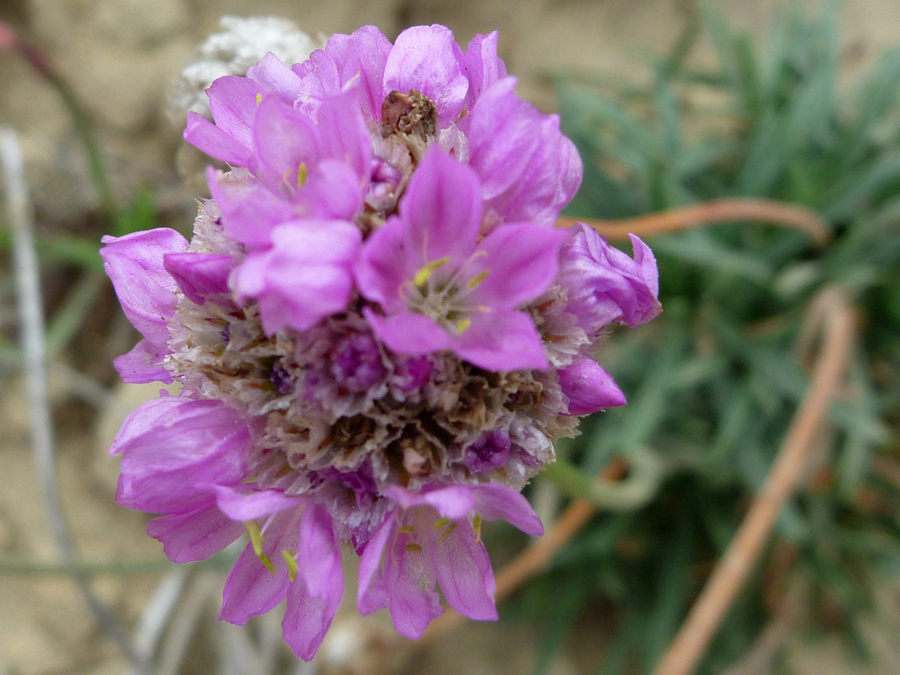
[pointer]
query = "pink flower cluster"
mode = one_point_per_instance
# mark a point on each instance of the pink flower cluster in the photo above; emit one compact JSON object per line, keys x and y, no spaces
{"x":378,"y":332}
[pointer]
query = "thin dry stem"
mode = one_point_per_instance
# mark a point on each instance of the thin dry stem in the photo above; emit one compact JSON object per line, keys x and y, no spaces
{"x":709,"y":213}
{"x":31,"y":319}
{"x":703,"y":621}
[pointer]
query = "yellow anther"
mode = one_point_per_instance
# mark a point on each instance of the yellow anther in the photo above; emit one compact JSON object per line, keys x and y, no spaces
{"x":424,"y":274}
{"x":291,"y":563}
{"x":406,"y":529}
{"x":301,"y":174}
{"x":476,"y":280}
{"x":258,"y":99}
{"x":447,"y":532}
{"x":462,"y":325}
{"x":476,"y":526}
{"x":267,"y":563}
{"x":439,"y":524}
{"x":256,"y":540}
{"x":256,"y":536}
{"x":415,"y":548}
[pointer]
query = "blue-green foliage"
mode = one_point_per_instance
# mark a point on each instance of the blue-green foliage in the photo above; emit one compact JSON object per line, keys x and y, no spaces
{"x":713,"y":383}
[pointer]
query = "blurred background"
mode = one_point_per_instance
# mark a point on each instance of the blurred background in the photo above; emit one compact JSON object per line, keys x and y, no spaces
{"x":671,"y":103}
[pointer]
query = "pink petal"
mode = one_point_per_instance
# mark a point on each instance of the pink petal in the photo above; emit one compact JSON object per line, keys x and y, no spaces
{"x":551,"y":178}
{"x":249,"y":210}
{"x":319,"y":79}
{"x":343,"y":133}
{"x":251,"y":589}
{"x":194,"y":536}
{"x":385,"y":264}
{"x":483,"y":66}
{"x":362,"y":56}
{"x":646,"y":262}
{"x":307,"y":618}
{"x":284,"y":139}
{"x":143,"y":364}
{"x":304,"y":277}
{"x":455,"y":502}
{"x":242,"y":504}
{"x":503,"y":136}
{"x":334,"y":190}
{"x":501,"y":340}
{"x":529,"y":170}
{"x":207,"y":137}
{"x":604,"y":284}
{"x":275,"y":78}
{"x":427,"y":59}
{"x":409,"y":577}
{"x":501,"y":502}
{"x":589,"y":387}
{"x":442,"y":208}
{"x":408,"y":333}
{"x":233,"y":101}
{"x":144,"y":419}
{"x":314,"y":596}
{"x":463,"y":570}
{"x":174,"y":449}
{"x":146,"y":291}
{"x":199,"y":275}
{"x":372,"y":593}
{"x":172,"y":432}
{"x":521,"y":262}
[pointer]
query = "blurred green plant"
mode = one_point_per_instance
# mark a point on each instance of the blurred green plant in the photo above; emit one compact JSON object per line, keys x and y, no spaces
{"x":715,"y":381}
{"x":78,"y":251}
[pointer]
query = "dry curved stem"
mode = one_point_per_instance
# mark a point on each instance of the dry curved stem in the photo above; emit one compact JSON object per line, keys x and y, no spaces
{"x":709,"y":213}
{"x":692,"y":640}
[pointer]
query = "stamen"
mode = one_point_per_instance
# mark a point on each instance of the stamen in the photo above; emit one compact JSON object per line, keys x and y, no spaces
{"x":439,"y":524}
{"x":406,"y":529}
{"x":256,"y":536}
{"x":256,"y":540}
{"x":476,"y":280}
{"x":291,"y":561}
{"x":462,"y":325}
{"x":258,"y":99}
{"x":302,"y":174}
{"x":424,"y":274}
{"x":447,"y":532}
{"x":476,"y":526}
{"x":415,"y":548}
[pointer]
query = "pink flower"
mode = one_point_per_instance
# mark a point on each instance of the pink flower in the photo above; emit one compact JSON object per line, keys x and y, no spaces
{"x":377,"y":332}
{"x":604,"y":285}
{"x":304,"y":276}
{"x":147,"y":292}
{"x":435,"y":536}
{"x":443,"y":287}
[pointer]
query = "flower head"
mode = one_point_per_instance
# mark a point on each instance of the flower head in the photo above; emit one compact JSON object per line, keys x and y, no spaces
{"x":378,"y":333}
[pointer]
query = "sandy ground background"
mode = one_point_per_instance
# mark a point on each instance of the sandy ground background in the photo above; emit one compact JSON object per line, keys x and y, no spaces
{"x":121,"y":57}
